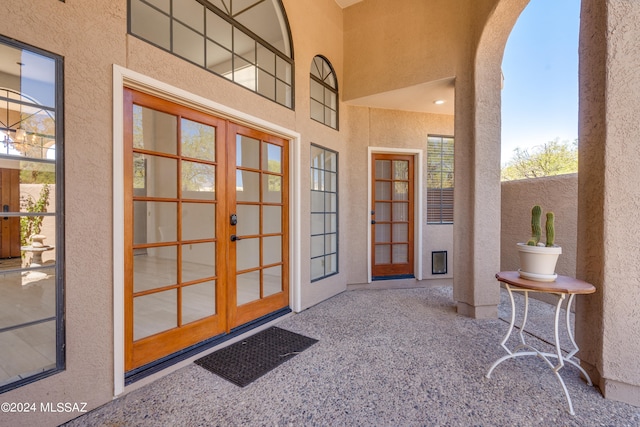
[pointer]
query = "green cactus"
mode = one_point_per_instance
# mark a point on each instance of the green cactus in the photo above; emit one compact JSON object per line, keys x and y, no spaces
{"x":536,"y":230}
{"x":551,"y":233}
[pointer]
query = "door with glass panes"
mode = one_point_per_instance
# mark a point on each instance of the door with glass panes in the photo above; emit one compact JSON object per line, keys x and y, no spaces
{"x":206,"y":223}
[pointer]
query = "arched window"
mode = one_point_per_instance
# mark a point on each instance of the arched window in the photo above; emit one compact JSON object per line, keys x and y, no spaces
{"x":245,"y":41}
{"x":324,"y":92}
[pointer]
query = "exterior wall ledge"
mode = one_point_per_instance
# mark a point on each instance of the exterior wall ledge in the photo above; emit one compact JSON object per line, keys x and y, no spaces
{"x":478,"y":311}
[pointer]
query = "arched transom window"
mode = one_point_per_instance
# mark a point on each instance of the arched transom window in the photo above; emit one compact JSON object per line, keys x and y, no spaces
{"x":324,"y":93}
{"x":245,"y":41}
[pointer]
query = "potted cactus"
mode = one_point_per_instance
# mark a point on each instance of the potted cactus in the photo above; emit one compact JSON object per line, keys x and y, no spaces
{"x":537,"y":259}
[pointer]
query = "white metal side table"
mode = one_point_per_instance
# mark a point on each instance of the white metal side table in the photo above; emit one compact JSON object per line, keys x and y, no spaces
{"x":562,"y":287}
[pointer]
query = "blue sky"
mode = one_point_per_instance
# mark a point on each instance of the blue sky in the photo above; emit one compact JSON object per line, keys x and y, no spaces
{"x":540,"y":67}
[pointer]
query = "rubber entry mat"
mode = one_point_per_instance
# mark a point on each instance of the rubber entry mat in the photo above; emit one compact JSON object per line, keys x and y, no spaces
{"x":245,"y":361}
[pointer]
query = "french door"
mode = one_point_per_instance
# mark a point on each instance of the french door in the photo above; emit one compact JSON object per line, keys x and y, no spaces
{"x":392,"y":214}
{"x":206,"y":227}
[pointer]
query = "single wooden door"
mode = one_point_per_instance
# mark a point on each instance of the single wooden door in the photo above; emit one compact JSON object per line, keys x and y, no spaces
{"x":10,"y":202}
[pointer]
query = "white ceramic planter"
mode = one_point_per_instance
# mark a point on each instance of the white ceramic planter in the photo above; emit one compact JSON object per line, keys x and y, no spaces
{"x":538,"y":262}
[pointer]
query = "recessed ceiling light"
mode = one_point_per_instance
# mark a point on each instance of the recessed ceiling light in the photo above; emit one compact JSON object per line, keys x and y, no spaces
{"x":439,"y":101}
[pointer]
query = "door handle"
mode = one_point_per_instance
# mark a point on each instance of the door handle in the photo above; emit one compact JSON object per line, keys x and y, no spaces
{"x":5,"y":208}
{"x":234,"y":238}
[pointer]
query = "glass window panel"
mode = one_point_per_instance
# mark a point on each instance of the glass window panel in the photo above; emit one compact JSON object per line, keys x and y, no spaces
{"x":331,"y":223}
{"x":271,"y":188}
{"x":317,"y":179}
{"x":154,"y":130}
{"x":272,"y":281}
{"x":154,"y":222}
{"x":198,"y":301}
{"x":150,"y":24}
{"x":271,"y":219}
{"x":155,"y":268}
{"x":198,"y":221}
{"x":266,"y":84}
{"x":317,"y":246}
{"x":159,"y":173}
{"x":400,"y":191}
{"x":283,"y":93}
{"x":272,"y":250}
{"x":401,"y":169}
{"x":331,"y":182}
{"x":331,"y":243}
{"x":383,"y":169}
{"x":317,"y":111}
{"x":247,"y":186}
{"x":250,"y":13}
{"x":283,"y":70}
{"x":266,"y":59}
{"x":333,"y":119}
{"x":27,"y":296}
{"x":219,"y":30}
{"x":401,"y":232}
{"x":383,"y":254}
{"x":247,"y":287}
{"x":271,"y":158}
{"x":188,"y":44}
{"x":247,"y":152}
{"x":27,"y":350}
{"x":331,"y":264}
{"x":400,"y":254}
{"x":154,"y":313}
{"x":191,"y":13}
{"x":198,"y":140}
{"x":244,"y":73}
{"x":331,"y":161}
{"x":198,"y":261}
{"x":317,"y":223}
{"x":244,"y":46}
{"x":383,"y":190}
{"x":400,"y":211}
{"x":317,"y":268}
{"x":317,"y":91}
{"x":247,"y":254}
{"x":330,"y":99}
{"x":383,"y":233}
{"x":317,"y":157}
{"x":383,"y":211}
{"x":198,"y":181}
{"x":331,"y":202}
{"x":219,"y":60}
{"x":248,"y":220}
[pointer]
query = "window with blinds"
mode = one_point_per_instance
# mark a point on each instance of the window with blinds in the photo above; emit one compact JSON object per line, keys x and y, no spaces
{"x":440,"y":180}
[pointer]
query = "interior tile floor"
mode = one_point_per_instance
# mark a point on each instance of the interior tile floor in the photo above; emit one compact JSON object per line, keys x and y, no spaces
{"x":400,"y":357}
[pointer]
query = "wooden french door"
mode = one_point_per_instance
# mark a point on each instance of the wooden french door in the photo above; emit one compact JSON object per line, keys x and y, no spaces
{"x":10,"y":202}
{"x":392,"y":214}
{"x":206,"y":223}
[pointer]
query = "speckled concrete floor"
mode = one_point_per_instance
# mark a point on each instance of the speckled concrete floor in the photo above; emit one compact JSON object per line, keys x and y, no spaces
{"x":384,"y":358}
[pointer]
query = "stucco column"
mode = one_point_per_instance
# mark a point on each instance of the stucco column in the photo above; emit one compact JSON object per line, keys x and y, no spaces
{"x":608,"y":322}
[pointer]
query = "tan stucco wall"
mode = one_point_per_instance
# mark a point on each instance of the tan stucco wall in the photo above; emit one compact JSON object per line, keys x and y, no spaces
{"x":557,"y":194}
{"x":608,"y":324}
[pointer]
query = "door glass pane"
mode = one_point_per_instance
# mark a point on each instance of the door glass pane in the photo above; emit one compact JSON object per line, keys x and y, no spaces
{"x":383,"y":232}
{"x":401,"y":211}
{"x":383,"y":169}
{"x":272,"y":278}
{"x":317,"y":246}
{"x":383,"y":190}
{"x":247,"y":152}
{"x":154,"y":130}
{"x":401,"y":232}
{"x":331,"y":264}
{"x":248,"y":287}
{"x":155,"y":268}
{"x":154,"y":313}
{"x":247,"y":186}
{"x":317,"y":201}
{"x":331,"y":243}
{"x":198,"y":261}
{"x":198,"y":221}
{"x":27,"y":297}
{"x":317,"y":268}
{"x":383,"y":211}
{"x":27,"y":350}
{"x":383,"y":254}
{"x":400,"y":253}
{"x":198,"y":301}
{"x":248,"y":220}
{"x":198,"y":181}
{"x":271,"y":219}
{"x":272,"y":250}
{"x":198,"y":140}
{"x":247,"y":254}
{"x":401,"y":169}
{"x":400,"y":191}
{"x":159,"y":175}
{"x":271,"y":158}
{"x":271,"y":188}
{"x":154,"y":222}
{"x":317,"y":223}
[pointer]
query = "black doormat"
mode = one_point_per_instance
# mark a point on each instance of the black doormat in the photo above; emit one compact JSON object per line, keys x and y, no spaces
{"x":245,"y":361}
